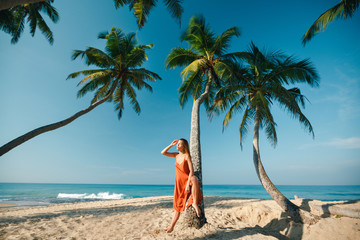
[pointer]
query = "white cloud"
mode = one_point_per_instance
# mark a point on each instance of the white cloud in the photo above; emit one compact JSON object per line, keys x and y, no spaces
{"x":347,"y":143}
{"x":342,"y":143}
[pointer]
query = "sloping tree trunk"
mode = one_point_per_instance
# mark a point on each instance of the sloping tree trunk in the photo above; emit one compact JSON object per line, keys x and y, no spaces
{"x":6,"y":4}
{"x":195,"y":152}
{"x":27,"y":136}
{"x":279,"y":198}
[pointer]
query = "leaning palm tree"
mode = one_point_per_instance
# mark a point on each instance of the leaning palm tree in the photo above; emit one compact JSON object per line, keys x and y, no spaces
{"x":142,"y":9}
{"x":13,"y":20}
{"x":206,"y":64}
{"x":118,"y":74}
{"x":344,"y":9}
{"x":259,"y":82}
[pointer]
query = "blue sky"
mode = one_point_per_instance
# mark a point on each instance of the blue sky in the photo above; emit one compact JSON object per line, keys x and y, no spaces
{"x":98,"y":148}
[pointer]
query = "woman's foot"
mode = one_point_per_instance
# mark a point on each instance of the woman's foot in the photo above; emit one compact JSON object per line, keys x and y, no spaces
{"x":197,"y":209}
{"x":170,"y":229}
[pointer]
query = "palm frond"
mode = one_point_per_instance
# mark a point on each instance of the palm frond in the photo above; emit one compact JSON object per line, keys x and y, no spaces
{"x":18,"y":27}
{"x":89,"y":87}
{"x":298,"y":96}
{"x":180,"y":57}
{"x":289,"y":101}
{"x":293,"y":71}
{"x":199,"y":35}
{"x":120,"y":3}
{"x":137,"y":56}
{"x":94,"y":56}
{"x":45,"y":29}
{"x":113,"y":38}
{"x":50,"y":11}
{"x":222,"y":42}
{"x":84,"y":72}
{"x":98,"y":76}
{"x":187,"y":87}
{"x":101,"y":93}
{"x":344,"y":9}
{"x":195,"y":66}
{"x":7,"y":21}
{"x":244,"y":124}
{"x":132,"y":96}
{"x":119,"y":98}
{"x":175,"y":8}
{"x":141,"y":73}
{"x":142,"y":10}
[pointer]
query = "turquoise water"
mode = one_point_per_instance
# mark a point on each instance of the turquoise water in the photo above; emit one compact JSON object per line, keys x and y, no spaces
{"x":44,"y":194}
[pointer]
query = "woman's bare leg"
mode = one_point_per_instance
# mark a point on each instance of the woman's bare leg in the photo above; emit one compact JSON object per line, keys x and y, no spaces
{"x":195,"y":190}
{"x":173,"y":222}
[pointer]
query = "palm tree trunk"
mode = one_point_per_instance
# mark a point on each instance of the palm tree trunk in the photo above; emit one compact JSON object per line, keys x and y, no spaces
{"x":279,"y":198}
{"x":6,"y":4}
{"x":195,"y":153}
{"x":27,"y":136}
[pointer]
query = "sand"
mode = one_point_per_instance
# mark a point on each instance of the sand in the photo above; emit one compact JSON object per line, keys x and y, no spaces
{"x":148,"y":218}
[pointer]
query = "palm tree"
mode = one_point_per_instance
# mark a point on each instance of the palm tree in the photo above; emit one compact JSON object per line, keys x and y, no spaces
{"x":206,"y":64}
{"x":12,"y":20}
{"x":118,"y":74}
{"x":344,"y":9}
{"x":142,"y":8}
{"x":255,"y":86}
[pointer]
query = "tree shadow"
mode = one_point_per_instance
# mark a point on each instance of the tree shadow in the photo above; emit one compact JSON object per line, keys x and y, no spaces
{"x":216,"y":202}
{"x":274,"y":228}
{"x":326,"y":212}
{"x":98,"y":211}
{"x":283,"y":228}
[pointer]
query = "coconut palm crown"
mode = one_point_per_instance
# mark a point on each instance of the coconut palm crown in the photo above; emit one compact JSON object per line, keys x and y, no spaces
{"x":206,"y":62}
{"x":260,"y":81}
{"x":119,"y":72}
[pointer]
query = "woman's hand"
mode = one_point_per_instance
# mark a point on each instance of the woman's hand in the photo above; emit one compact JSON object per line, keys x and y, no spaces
{"x":187,"y":189}
{"x":174,"y":143}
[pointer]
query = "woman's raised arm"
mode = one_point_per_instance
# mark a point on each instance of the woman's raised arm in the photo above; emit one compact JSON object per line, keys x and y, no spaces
{"x":165,"y":150}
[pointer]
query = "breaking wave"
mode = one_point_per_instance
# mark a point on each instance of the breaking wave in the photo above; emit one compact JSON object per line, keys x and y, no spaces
{"x":101,"y":195}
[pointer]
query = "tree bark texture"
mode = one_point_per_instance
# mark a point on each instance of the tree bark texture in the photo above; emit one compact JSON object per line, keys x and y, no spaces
{"x":195,"y":153}
{"x":27,"y":136}
{"x":6,"y":4}
{"x":279,"y":198}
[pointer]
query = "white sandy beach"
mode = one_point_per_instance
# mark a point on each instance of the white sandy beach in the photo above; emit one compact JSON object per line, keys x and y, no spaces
{"x":148,"y":218}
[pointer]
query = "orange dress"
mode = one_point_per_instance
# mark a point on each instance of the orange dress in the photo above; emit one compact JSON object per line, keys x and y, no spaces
{"x":181,"y":178}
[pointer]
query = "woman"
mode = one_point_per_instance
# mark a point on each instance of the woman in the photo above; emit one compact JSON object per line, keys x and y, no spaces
{"x":186,"y":183}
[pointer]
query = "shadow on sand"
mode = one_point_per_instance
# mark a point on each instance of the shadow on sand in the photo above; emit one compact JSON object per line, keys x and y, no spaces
{"x":283,"y":228}
{"x":105,"y":211}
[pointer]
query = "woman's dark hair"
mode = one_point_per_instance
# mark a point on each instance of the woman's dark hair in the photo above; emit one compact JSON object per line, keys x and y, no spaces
{"x":187,"y":149}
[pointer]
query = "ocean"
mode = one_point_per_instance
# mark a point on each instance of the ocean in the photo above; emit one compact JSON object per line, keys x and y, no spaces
{"x":35,"y":194}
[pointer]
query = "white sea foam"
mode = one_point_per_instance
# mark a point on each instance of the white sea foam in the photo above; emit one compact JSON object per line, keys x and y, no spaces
{"x":101,"y":195}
